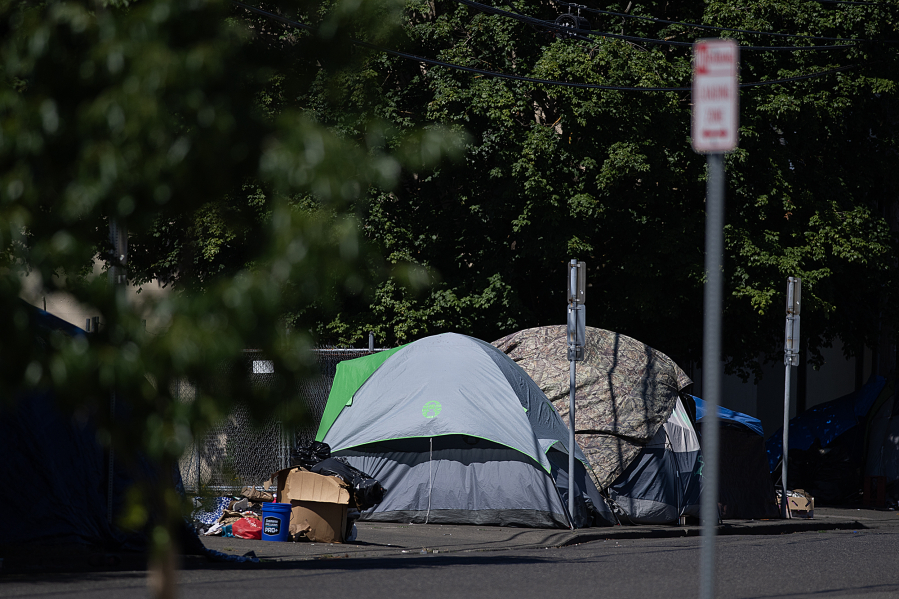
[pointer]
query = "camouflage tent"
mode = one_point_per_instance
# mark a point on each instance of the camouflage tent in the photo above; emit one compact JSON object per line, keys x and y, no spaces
{"x":625,"y":391}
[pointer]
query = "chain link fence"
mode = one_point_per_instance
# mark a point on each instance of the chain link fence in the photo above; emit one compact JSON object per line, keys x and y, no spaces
{"x":235,"y":454}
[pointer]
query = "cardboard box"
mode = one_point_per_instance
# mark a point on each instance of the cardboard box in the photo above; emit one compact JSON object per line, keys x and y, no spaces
{"x":318,"y":505}
{"x":801,"y":507}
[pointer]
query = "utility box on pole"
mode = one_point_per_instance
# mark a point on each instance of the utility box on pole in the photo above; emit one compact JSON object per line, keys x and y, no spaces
{"x":791,"y":336}
{"x":577,"y":324}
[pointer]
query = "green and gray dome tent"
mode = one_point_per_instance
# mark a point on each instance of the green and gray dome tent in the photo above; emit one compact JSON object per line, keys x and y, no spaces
{"x":456,"y":433}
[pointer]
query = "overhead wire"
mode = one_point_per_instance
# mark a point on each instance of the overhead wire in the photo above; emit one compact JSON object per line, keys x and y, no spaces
{"x":552,"y":26}
{"x":712,"y":27}
{"x":842,"y":2}
{"x":510,"y":76}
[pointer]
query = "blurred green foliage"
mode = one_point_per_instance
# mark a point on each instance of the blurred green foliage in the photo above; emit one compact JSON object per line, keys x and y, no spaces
{"x":169,"y":116}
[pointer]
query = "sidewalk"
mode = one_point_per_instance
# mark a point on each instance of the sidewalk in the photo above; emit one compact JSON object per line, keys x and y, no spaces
{"x":391,"y":540}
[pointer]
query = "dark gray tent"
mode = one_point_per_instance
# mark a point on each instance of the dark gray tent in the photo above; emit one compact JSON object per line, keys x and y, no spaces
{"x":58,"y":475}
{"x":745,"y":489}
{"x":457,"y":433}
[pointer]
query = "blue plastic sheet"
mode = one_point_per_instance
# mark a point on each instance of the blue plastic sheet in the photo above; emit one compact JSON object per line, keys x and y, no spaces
{"x":739,"y":418}
{"x":825,"y":421}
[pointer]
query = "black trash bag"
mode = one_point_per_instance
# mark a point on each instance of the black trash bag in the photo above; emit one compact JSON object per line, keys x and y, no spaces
{"x":308,"y":456}
{"x":367,"y":492}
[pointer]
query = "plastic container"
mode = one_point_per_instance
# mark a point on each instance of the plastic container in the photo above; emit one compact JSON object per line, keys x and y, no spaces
{"x":275,"y":521}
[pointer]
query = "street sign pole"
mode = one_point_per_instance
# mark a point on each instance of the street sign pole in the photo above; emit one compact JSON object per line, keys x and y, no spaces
{"x":577,"y":276}
{"x":711,"y":368}
{"x":714,"y":132}
{"x":791,"y":358}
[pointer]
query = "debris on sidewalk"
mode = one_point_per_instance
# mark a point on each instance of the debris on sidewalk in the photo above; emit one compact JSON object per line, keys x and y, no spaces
{"x":319,"y":505}
{"x":799,"y":503}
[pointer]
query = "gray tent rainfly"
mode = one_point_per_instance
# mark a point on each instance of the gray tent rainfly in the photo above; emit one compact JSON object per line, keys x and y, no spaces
{"x":664,"y":482}
{"x":456,"y":433}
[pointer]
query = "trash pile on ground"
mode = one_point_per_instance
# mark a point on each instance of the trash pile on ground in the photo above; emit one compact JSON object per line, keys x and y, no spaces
{"x":318,"y":498}
{"x":239,"y":517}
{"x":799,"y":502}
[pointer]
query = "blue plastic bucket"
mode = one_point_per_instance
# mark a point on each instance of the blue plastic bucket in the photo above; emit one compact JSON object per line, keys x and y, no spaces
{"x":275,"y":521}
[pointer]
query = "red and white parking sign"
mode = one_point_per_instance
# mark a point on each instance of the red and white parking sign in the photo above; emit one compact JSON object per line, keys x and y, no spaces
{"x":715,"y":96}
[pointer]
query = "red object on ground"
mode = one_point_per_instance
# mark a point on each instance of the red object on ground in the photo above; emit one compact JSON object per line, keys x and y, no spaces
{"x":247,"y":528}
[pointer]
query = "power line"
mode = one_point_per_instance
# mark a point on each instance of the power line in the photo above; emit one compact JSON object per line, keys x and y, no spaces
{"x":551,"y":25}
{"x":842,"y":2}
{"x":713,"y":27}
{"x":800,"y":77}
{"x":499,"y":75}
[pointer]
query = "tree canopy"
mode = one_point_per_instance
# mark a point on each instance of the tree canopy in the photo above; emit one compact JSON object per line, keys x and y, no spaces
{"x":552,"y":172}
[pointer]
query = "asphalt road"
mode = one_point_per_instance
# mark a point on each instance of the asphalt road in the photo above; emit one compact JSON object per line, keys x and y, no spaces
{"x":819,"y":565}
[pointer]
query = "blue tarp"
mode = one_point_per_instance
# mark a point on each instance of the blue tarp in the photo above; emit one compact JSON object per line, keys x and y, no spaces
{"x":753,"y":424}
{"x":825,"y":421}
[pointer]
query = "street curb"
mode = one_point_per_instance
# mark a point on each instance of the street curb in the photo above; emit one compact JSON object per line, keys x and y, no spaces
{"x":721,"y":530}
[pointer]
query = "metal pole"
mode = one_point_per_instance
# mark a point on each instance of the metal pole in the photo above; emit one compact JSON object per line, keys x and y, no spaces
{"x":791,"y":358}
{"x":784,"y":512}
{"x":571,"y":444}
{"x":711,"y":368}
{"x":571,"y":441}
{"x":118,"y":235}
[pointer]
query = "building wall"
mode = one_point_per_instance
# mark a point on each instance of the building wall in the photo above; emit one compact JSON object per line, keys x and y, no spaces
{"x":67,"y":308}
{"x":765,"y":399}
